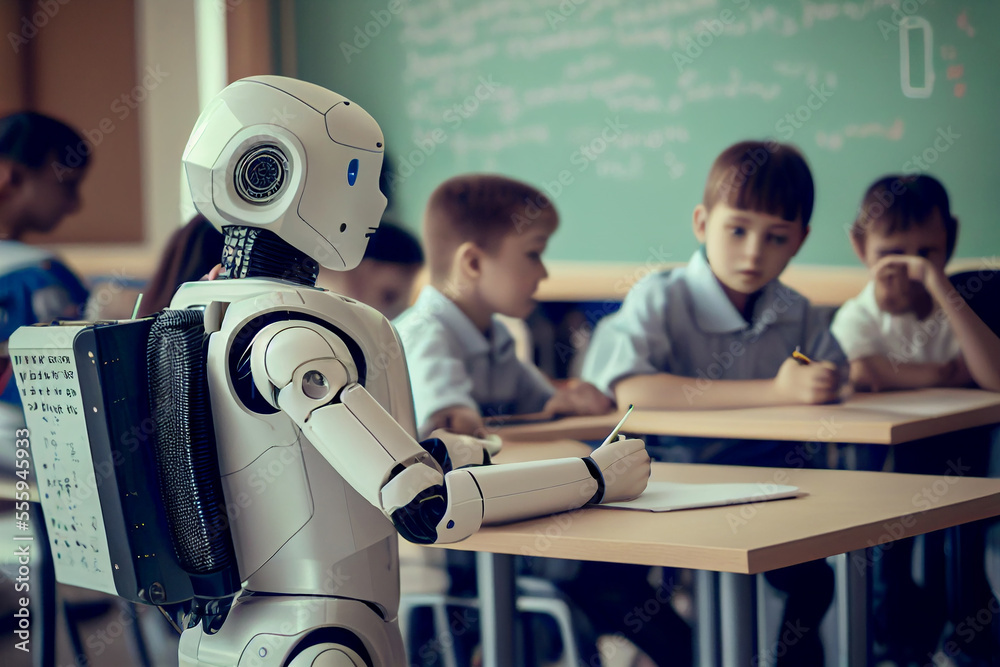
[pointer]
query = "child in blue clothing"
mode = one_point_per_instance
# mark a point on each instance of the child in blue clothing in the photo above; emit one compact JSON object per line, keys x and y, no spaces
{"x":719,"y":333}
{"x":38,"y":188}
{"x":484,"y":236}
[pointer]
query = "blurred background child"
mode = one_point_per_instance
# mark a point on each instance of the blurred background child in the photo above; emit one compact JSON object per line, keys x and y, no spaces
{"x":386,"y":276}
{"x":38,"y":189}
{"x":910,"y":328}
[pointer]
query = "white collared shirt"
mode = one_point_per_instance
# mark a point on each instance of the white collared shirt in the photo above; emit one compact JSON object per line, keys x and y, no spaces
{"x":681,"y":322}
{"x":452,"y":363}
{"x":864,"y":330}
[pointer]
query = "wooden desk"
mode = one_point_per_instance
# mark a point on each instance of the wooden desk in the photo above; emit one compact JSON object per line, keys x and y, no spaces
{"x":845,"y":511}
{"x":887,"y":418}
{"x":518,"y":452}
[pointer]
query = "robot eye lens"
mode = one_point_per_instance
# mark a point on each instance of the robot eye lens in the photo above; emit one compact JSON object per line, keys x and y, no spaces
{"x":261,"y":173}
{"x":352,"y":172}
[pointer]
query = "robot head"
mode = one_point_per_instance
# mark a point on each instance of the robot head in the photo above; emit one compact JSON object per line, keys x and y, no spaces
{"x":293,"y":158}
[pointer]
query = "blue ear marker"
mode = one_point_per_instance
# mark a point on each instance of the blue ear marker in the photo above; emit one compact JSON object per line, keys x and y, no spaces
{"x":352,"y":172}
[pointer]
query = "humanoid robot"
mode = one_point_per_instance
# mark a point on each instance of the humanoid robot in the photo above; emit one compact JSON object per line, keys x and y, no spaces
{"x":310,"y":397}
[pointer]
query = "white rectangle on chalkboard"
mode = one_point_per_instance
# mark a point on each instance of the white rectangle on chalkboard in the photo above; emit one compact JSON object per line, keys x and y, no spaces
{"x":670,"y":496}
{"x":48,"y":382}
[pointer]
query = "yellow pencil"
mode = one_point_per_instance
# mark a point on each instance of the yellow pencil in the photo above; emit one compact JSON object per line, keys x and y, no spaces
{"x":801,"y":358}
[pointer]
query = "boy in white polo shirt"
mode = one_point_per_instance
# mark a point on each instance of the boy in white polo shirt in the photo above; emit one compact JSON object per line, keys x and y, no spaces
{"x":720,"y":332}
{"x":484,"y":236}
{"x":908,"y":329}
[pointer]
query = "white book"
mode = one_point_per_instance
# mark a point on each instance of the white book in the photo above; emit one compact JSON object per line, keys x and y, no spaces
{"x":669,"y":496}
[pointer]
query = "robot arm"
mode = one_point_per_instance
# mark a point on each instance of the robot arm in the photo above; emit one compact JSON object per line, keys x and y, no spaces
{"x":307,"y":371}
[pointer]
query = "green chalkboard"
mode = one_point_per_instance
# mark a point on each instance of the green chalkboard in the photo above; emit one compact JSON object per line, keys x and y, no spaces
{"x":618,"y":107}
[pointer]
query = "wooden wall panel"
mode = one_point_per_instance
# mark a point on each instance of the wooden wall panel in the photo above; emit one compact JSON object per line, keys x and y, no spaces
{"x":11,"y":57}
{"x":248,"y":39}
{"x":84,"y":61}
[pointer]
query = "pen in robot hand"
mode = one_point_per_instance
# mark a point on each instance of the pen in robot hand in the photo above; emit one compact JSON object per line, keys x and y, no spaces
{"x":614,"y":432}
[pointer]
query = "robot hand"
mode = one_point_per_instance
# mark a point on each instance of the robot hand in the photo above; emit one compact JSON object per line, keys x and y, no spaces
{"x":623,"y":467}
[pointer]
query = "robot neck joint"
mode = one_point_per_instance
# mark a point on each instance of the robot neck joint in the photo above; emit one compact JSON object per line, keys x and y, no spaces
{"x":250,"y":252}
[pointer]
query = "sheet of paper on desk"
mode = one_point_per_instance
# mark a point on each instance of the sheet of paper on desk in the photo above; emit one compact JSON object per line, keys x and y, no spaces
{"x":669,"y":496}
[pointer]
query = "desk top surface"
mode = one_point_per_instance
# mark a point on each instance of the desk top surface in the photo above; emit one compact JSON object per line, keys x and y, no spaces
{"x":843,"y":511}
{"x":887,"y":418}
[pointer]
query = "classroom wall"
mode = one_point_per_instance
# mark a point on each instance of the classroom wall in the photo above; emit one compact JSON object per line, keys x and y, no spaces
{"x":51,"y":66}
{"x":166,"y":40}
{"x":618,"y":108}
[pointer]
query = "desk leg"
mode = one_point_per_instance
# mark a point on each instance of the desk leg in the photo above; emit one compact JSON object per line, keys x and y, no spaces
{"x":706,"y":590}
{"x":495,"y":581}
{"x":738,"y":622}
{"x":764,"y":630}
{"x":852,"y":607}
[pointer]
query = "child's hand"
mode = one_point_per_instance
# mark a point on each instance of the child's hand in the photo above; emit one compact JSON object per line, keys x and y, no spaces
{"x":213,"y":273}
{"x":459,"y":419}
{"x":812,"y":384}
{"x":578,"y":398}
{"x":913,"y":267}
{"x":956,"y":373}
{"x":906,"y":283}
{"x":865,"y":376}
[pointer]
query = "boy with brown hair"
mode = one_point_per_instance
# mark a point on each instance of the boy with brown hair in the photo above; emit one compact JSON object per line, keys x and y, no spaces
{"x":484,"y":236}
{"x":720,"y":332}
{"x":38,"y":189}
{"x":725,"y":319}
{"x":909,"y":328}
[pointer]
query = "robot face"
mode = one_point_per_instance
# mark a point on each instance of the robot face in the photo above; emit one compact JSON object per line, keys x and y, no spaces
{"x":293,"y":158}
